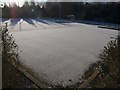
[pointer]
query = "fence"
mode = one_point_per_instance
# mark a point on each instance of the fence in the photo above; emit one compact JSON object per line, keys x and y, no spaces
{"x":113,"y":25}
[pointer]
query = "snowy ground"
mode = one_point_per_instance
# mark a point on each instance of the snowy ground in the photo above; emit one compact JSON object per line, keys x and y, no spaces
{"x":59,"y":52}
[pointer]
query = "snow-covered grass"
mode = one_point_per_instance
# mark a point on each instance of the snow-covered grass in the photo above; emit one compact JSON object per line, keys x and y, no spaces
{"x":59,"y":53}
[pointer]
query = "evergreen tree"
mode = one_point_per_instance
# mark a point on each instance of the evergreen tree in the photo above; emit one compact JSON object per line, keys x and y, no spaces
{"x":6,"y":11}
{"x":25,"y":10}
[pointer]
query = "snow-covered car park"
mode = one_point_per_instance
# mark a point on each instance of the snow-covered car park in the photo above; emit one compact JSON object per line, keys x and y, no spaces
{"x":58,"y":52}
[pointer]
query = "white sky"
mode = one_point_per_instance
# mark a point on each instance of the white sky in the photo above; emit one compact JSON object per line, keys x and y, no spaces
{"x":22,"y":1}
{"x":60,"y":0}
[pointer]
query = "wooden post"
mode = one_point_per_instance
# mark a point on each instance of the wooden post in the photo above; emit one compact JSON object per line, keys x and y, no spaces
{"x":90,"y":79}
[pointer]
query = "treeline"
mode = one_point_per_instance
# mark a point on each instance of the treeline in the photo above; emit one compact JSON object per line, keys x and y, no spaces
{"x":96,"y":11}
{"x":28,"y":10}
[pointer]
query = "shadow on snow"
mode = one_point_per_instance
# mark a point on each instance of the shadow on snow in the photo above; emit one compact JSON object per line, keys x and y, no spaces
{"x":14,"y":21}
{"x":41,"y":21}
{"x":29,"y":21}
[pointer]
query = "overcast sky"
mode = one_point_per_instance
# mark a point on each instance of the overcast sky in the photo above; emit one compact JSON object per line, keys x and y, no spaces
{"x":20,"y":2}
{"x":61,"y":0}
